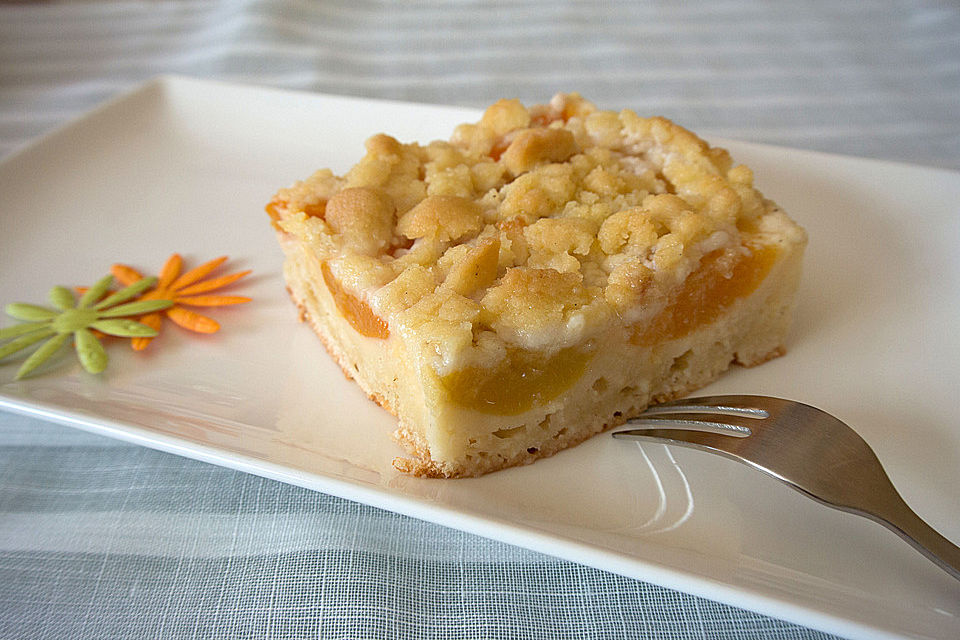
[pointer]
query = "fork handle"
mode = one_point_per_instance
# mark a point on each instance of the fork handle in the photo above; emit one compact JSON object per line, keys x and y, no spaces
{"x":901,"y":519}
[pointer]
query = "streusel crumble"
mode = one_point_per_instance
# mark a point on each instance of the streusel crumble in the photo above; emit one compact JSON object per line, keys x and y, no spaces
{"x":541,"y":276}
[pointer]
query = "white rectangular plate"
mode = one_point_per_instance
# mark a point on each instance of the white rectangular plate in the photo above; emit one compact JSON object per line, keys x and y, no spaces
{"x":184,"y":165}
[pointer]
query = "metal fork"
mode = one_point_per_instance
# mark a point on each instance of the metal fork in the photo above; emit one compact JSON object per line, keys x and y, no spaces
{"x":808,"y":449}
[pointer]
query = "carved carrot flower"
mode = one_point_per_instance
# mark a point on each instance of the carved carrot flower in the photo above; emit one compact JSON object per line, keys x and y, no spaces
{"x":186,"y":290}
{"x":79,"y":320}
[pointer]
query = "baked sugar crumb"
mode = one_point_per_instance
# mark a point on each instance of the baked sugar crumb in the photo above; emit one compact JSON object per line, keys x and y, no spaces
{"x":529,"y":229}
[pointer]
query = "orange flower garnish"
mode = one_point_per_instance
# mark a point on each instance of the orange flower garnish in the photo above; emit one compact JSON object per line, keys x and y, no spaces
{"x":189,"y":289}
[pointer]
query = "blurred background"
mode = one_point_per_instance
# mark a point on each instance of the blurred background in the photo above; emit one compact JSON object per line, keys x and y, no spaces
{"x":872,"y":78}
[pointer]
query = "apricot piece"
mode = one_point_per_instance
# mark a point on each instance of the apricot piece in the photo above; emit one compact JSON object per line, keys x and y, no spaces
{"x":708,"y":292}
{"x":524,"y":380}
{"x":357,"y":312}
{"x":499,"y":147}
{"x":273,"y":209}
{"x":314,"y":210}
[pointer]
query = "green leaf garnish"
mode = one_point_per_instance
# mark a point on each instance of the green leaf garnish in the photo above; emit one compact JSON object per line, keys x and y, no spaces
{"x":62,"y":298}
{"x":75,"y":318}
{"x":29,"y":312}
{"x":123,"y":295}
{"x":95,"y":292}
{"x":42,"y":354}
{"x":25,"y":341}
{"x":136,"y":308}
{"x":92,"y":355}
{"x":19,"y":329}
{"x":124,"y":328}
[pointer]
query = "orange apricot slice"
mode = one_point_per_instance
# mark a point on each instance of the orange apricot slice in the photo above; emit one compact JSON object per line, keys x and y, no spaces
{"x":522,"y":381}
{"x":708,"y":292}
{"x":357,"y":312}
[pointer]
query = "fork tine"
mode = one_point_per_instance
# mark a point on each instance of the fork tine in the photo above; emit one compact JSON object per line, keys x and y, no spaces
{"x":694,"y":439}
{"x":733,"y":403}
{"x":724,"y":423}
{"x":692,"y":406}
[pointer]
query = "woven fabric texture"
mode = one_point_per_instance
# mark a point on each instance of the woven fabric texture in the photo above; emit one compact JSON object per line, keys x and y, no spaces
{"x":100,"y":539}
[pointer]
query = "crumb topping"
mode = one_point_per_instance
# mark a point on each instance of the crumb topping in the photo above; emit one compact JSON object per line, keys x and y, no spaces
{"x":528,"y":229}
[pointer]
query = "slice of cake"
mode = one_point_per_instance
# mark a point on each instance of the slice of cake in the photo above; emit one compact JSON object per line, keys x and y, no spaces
{"x":541,"y":277}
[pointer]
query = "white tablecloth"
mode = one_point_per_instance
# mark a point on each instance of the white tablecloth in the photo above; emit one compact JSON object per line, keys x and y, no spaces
{"x":100,"y":539}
